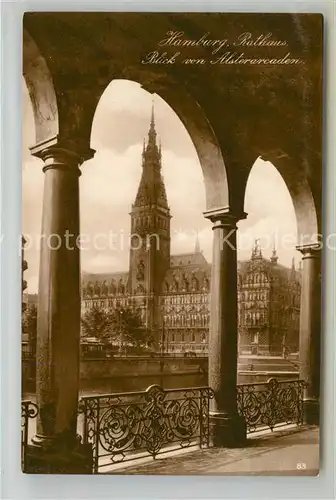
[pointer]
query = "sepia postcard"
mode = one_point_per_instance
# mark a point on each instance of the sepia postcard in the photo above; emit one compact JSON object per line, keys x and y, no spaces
{"x":171,"y":243}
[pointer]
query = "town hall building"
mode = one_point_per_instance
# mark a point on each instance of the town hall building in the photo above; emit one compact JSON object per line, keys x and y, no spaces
{"x":171,"y":292}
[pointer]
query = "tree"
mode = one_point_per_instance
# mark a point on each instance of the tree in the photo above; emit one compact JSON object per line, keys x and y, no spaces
{"x":30,"y":327}
{"x":96,"y":322}
{"x":122,"y":325}
{"x":127,"y":328}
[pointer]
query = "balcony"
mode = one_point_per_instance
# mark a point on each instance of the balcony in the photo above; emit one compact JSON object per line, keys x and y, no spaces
{"x":142,"y":429}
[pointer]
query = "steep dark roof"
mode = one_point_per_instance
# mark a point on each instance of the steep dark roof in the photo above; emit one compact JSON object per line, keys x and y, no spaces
{"x":151,"y":189}
{"x":101,"y":277}
{"x":275,"y":269}
{"x":187,"y":259}
{"x":188,"y":272}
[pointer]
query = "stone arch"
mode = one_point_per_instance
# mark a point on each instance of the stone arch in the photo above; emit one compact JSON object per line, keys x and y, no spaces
{"x":204,"y":139}
{"x":306,"y":213}
{"x":199,"y":129}
{"x":302,"y":197}
{"x":41,"y":90}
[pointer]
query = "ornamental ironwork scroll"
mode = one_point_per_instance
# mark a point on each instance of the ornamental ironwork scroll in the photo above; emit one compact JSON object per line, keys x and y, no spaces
{"x":128,"y":426}
{"x":271,"y":404}
{"x":29,"y":410}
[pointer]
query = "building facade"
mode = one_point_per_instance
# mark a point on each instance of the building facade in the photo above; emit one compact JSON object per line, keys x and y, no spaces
{"x":171,"y":292}
{"x":268,"y":305}
{"x":24,"y":267}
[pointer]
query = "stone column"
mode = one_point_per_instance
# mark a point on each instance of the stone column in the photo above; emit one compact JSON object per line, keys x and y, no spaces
{"x":310,"y":330}
{"x":58,"y":324}
{"x":227,"y":427}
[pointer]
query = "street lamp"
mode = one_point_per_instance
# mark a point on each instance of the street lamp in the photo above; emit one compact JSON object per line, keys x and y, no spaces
{"x":163,"y":338}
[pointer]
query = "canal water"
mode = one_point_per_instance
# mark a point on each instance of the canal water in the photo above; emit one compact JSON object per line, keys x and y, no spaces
{"x":169,"y":381}
{"x":174,"y":375}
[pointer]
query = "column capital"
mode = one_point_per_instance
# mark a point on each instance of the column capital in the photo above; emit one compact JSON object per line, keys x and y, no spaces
{"x":309,"y":250}
{"x":224,"y":216}
{"x":58,"y":151}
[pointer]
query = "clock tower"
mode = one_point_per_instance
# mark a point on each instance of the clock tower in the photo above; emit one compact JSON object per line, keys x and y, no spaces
{"x":150,"y":228}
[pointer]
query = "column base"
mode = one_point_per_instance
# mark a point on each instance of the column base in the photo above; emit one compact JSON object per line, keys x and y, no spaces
{"x":311,"y":411}
{"x":53,"y":460}
{"x":227,"y":432}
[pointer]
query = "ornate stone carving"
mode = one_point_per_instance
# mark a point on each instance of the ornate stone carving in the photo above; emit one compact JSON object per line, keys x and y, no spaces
{"x":96,"y":290}
{"x":140,"y":271}
{"x":121,"y":287}
{"x":112,"y":287}
{"x":89,"y":289}
{"x":185,"y":283}
{"x":104,"y":289}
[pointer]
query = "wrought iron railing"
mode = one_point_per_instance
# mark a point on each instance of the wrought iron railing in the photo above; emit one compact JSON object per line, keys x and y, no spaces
{"x":29,"y":410}
{"x":271,"y":404}
{"x":134,"y":425}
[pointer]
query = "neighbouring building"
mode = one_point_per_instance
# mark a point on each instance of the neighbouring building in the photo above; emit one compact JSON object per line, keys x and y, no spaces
{"x":268,"y":305}
{"x":171,"y":292}
{"x":24,"y":300}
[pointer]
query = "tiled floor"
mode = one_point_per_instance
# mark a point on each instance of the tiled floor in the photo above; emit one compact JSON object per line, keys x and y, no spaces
{"x":287,"y":452}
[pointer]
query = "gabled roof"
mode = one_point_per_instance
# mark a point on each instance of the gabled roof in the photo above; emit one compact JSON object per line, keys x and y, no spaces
{"x":187,"y":272}
{"x":188,"y":259}
{"x":108,"y":277}
{"x":275,"y":269}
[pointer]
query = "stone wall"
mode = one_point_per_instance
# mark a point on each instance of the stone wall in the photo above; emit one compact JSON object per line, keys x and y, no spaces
{"x":125,"y":374}
{"x":133,"y":374}
{"x":126,"y":367}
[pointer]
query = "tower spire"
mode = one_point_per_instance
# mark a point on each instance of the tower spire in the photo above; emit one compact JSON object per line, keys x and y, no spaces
{"x":256,"y":250}
{"x":274,"y":258}
{"x":150,"y":215}
{"x":152,"y":131}
{"x":151,"y":189}
{"x":293,"y":270}
{"x":197,"y":244}
{"x":152,"y":116}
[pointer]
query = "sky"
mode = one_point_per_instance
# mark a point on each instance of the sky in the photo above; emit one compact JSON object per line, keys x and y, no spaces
{"x":109,"y":183}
